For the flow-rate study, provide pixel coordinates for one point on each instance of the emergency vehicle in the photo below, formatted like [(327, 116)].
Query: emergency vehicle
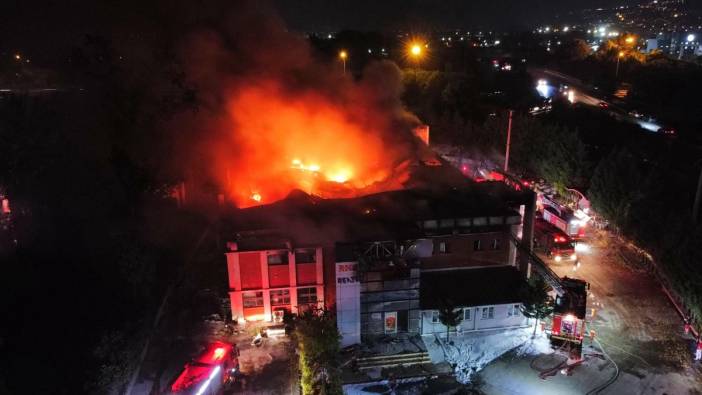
[(555, 243), (210, 373), (571, 222), (568, 327)]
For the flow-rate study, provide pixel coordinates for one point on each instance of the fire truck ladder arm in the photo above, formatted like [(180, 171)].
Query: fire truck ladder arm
[(540, 266)]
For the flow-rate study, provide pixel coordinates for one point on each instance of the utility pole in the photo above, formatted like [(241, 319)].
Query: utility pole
[(698, 197), (509, 137)]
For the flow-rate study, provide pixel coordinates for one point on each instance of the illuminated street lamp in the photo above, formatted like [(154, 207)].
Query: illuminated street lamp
[(343, 55), (690, 38), (415, 52), (619, 56)]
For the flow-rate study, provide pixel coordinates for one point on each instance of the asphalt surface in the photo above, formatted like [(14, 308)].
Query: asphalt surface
[(636, 326), (585, 95)]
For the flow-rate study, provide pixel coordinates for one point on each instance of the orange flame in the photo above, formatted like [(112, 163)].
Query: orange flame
[(281, 141)]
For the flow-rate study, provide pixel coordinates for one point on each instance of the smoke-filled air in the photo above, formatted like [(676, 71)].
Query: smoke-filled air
[(273, 118)]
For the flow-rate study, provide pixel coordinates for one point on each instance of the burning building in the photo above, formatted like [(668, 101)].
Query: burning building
[(365, 257), (272, 118)]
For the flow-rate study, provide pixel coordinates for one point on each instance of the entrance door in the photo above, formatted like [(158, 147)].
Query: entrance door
[(402, 321)]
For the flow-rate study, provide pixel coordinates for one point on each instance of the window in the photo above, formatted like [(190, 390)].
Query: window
[(307, 295), (513, 310), (443, 247), (496, 244), (488, 313), (253, 299), (277, 258), (477, 246), (306, 256), (434, 317), (466, 314), (431, 224), (446, 223), (280, 297)]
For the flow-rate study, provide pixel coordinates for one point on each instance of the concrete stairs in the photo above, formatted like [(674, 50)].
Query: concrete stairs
[(393, 361)]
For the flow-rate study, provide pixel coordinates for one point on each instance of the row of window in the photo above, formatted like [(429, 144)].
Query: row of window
[(280, 297), (445, 247), (301, 256), (468, 222), (486, 313)]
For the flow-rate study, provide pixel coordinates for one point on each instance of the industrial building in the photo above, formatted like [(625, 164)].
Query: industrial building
[(368, 257)]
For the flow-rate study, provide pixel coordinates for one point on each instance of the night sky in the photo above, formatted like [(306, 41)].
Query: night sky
[(426, 14), (46, 30)]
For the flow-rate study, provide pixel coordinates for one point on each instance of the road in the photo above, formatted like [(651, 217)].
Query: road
[(586, 95), (634, 322)]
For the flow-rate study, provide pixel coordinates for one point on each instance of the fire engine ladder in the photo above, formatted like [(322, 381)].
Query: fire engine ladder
[(540, 266)]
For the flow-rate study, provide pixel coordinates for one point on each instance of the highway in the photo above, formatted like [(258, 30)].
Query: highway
[(548, 82)]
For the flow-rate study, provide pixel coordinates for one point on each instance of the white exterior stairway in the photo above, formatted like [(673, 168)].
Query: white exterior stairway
[(392, 361)]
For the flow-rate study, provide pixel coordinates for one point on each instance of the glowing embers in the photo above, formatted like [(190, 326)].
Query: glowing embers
[(340, 175), (298, 164)]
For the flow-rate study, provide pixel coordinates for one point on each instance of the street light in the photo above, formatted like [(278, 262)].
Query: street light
[(415, 52), (343, 55), (690, 38), (619, 56)]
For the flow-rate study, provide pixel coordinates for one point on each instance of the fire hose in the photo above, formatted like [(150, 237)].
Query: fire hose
[(550, 371), (612, 379)]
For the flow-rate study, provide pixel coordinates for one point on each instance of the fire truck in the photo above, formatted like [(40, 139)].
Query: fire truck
[(565, 219), (557, 245), (210, 373), (568, 328)]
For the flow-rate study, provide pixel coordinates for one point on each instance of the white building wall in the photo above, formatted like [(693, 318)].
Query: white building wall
[(348, 303), (476, 323)]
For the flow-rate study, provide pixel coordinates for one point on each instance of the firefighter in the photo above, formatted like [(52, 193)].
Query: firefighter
[(698, 351)]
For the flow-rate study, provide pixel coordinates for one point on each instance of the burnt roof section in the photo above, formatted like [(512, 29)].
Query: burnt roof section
[(393, 215), (470, 287)]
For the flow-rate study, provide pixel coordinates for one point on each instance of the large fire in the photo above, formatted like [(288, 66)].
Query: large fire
[(281, 140), (273, 116)]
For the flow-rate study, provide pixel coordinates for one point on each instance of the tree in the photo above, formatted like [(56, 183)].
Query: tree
[(615, 187), (575, 50), (536, 303), (449, 315), (317, 340)]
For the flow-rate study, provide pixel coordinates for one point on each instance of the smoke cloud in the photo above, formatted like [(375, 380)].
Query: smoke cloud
[(273, 118)]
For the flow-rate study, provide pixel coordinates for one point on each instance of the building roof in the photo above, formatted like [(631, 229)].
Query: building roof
[(393, 215), (470, 287)]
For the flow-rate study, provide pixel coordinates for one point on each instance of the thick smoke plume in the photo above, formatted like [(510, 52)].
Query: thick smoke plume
[(273, 118)]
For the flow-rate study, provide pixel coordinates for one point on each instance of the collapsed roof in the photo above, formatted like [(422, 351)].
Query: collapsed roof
[(394, 215)]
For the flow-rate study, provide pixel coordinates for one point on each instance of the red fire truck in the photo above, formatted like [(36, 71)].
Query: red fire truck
[(568, 329), (553, 241), (561, 217), (210, 373)]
